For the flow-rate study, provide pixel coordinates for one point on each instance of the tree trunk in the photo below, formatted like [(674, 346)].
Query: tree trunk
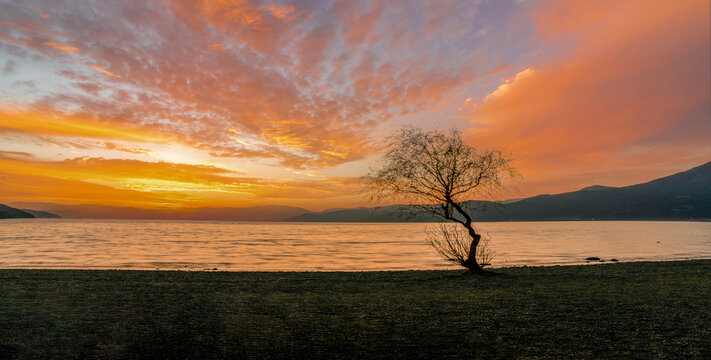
[(471, 263)]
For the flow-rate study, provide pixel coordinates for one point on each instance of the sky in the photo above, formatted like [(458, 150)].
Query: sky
[(177, 103)]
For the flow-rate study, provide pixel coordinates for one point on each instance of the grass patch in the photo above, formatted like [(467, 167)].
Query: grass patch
[(629, 310)]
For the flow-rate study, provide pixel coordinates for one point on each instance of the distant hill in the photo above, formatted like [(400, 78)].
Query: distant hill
[(41, 214), (596, 188), (682, 196), (88, 211), (253, 213), (390, 213), (7, 212)]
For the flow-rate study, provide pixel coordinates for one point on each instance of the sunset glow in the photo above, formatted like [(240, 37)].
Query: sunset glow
[(181, 104)]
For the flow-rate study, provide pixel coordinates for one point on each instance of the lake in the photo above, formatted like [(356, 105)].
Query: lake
[(271, 246)]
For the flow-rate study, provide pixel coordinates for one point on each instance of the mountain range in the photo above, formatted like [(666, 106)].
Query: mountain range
[(682, 196)]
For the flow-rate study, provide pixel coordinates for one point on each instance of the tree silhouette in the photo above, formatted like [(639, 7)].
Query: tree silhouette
[(436, 173)]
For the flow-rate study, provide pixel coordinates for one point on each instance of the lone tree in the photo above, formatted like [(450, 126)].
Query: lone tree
[(436, 173)]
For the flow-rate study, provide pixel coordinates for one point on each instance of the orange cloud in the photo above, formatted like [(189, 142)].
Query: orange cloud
[(143, 184), (638, 81), (16, 154), (64, 48), (233, 10), (41, 124), (157, 184), (281, 11), (41, 188), (139, 151), (103, 70)]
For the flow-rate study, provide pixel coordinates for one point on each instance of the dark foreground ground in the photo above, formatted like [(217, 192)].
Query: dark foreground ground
[(632, 310)]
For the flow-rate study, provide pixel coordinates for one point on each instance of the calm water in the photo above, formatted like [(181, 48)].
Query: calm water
[(190, 245)]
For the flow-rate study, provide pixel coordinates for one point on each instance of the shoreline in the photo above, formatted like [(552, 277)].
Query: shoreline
[(444, 268)]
